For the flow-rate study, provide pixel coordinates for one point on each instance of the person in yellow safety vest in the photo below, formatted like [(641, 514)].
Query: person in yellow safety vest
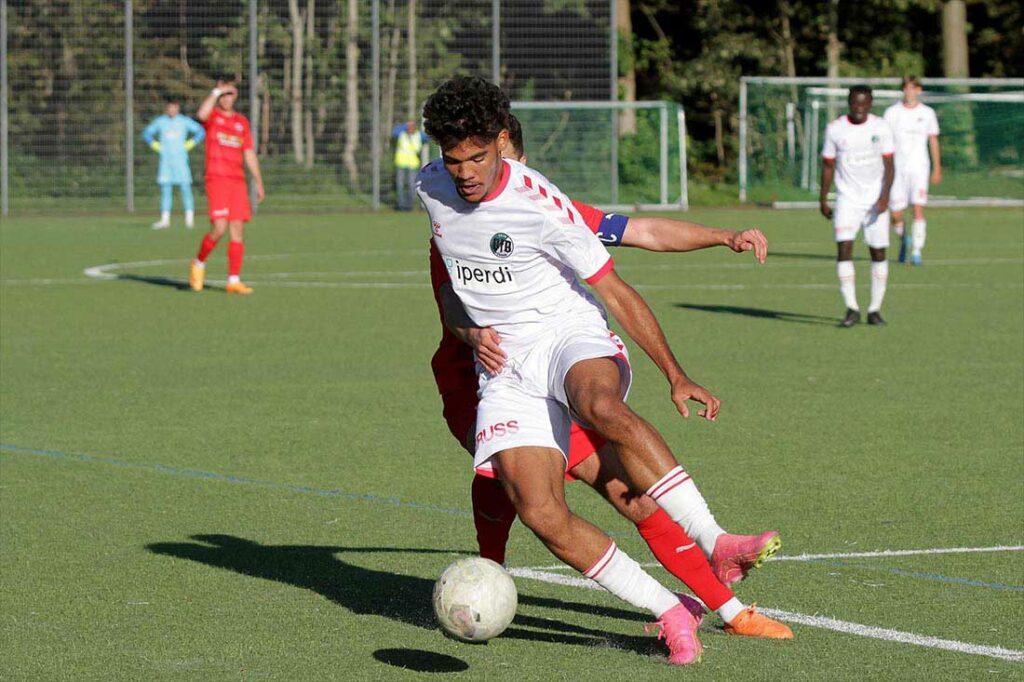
[(408, 144)]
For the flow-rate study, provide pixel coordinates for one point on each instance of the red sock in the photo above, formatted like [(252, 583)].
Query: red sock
[(493, 515), (208, 245), (666, 538), (235, 252)]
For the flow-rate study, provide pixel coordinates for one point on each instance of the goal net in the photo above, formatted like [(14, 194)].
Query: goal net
[(782, 123)]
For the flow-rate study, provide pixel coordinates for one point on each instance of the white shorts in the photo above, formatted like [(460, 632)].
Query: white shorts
[(526, 405), (847, 219), (909, 188)]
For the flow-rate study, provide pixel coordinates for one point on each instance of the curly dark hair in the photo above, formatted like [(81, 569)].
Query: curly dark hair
[(515, 135), (465, 107)]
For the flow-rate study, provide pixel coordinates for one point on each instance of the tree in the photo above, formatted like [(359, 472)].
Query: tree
[(352, 94)]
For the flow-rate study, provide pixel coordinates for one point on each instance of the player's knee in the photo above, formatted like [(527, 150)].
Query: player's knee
[(545, 517), (609, 414)]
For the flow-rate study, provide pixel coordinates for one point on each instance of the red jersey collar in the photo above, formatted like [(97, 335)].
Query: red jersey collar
[(506, 171)]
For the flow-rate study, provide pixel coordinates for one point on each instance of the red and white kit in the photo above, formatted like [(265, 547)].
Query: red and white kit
[(911, 128), (513, 260), (227, 136), (858, 150)]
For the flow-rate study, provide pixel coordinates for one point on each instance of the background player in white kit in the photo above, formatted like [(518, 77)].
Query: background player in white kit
[(858, 152), (916, 131), (513, 246)]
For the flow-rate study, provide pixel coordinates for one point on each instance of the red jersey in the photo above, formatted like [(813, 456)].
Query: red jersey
[(227, 136), (453, 363)]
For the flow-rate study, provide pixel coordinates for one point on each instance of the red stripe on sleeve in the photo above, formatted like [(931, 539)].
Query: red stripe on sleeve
[(599, 275)]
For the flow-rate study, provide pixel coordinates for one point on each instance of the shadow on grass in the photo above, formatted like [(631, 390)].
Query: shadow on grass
[(170, 282), (402, 598), (763, 313)]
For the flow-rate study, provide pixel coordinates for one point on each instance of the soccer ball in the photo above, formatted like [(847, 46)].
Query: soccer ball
[(475, 599)]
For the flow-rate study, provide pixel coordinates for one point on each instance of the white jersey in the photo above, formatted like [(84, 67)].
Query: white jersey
[(514, 257), (912, 126), (858, 152)]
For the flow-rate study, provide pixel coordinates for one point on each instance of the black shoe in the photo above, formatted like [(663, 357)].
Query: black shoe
[(852, 318), (876, 319)]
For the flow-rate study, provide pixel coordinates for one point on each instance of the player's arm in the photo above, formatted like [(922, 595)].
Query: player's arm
[(828, 171), (882, 205), (148, 135), (933, 149), (252, 162), (665, 234), (198, 135), (206, 108), (484, 340), (638, 321)]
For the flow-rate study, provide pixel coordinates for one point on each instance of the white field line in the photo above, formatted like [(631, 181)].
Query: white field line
[(881, 553), (825, 623)]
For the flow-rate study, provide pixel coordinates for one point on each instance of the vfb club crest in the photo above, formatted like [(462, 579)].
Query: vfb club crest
[(502, 245)]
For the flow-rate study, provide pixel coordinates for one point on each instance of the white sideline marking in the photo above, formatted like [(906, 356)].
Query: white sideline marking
[(822, 622), (849, 555)]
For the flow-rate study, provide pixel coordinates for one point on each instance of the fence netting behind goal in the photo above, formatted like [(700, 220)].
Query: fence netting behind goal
[(981, 140)]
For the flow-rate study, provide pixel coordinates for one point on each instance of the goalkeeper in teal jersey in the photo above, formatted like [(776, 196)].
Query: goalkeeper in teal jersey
[(173, 135)]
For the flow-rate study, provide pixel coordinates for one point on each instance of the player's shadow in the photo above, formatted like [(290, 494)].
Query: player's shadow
[(403, 598), (762, 313), (170, 282)]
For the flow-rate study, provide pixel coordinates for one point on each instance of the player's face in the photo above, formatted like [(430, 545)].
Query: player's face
[(860, 107), (227, 99), (911, 91), (172, 109), (475, 166)]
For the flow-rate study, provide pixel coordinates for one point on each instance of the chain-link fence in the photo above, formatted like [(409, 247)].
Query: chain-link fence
[(323, 82)]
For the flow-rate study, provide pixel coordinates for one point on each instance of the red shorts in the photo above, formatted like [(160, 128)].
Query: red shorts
[(459, 410), (228, 199)]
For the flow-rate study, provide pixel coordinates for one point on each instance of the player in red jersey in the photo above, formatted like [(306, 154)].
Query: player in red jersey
[(228, 146), (590, 458)]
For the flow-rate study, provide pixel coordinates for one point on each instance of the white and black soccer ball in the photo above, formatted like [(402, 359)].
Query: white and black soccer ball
[(475, 599)]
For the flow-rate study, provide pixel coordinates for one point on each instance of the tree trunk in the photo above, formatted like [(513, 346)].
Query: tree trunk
[(264, 82), (954, 39), (388, 105), (411, 113), (298, 28), (310, 28), (832, 51), (352, 94), (789, 59), (186, 70), (627, 65)]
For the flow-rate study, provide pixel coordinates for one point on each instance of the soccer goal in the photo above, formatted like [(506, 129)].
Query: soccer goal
[(782, 121), (619, 156)]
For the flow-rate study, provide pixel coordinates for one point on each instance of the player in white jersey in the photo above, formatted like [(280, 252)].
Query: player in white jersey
[(514, 248), (916, 130), (858, 153)]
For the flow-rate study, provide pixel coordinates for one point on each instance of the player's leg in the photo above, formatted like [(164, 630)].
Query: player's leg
[(899, 198), (846, 222), (166, 200), (532, 476), (919, 231), (401, 187), (188, 202), (674, 549), (239, 215), (197, 270), (595, 389), (876, 234)]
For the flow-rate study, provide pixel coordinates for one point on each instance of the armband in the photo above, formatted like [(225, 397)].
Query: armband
[(216, 92)]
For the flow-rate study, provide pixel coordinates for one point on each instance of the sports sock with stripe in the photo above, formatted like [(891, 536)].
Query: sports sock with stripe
[(848, 283), (677, 494), (623, 577)]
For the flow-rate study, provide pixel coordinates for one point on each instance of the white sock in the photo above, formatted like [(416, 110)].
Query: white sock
[(879, 278), (848, 283), (730, 609), (677, 494), (899, 228), (919, 231), (624, 578), (190, 218), (165, 217), (199, 264), (234, 279)]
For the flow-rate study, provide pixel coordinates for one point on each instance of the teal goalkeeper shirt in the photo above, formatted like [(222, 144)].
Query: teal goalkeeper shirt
[(172, 134)]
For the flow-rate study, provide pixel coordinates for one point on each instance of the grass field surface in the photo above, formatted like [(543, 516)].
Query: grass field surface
[(200, 486)]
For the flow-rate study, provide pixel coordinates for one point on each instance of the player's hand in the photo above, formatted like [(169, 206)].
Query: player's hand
[(750, 240), (487, 345), (190, 144), (825, 209), (260, 194), (936, 176), (683, 389), (154, 145), (882, 205)]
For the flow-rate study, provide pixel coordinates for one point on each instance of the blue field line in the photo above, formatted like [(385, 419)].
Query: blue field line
[(227, 478), (970, 582)]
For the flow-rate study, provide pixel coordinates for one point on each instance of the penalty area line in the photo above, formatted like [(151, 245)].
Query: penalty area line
[(821, 622)]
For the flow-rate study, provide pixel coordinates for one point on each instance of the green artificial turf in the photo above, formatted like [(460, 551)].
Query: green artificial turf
[(201, 486)]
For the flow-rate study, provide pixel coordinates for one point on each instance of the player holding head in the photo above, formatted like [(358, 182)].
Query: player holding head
[(228, 147), (858, 154), (173, 136), (916, 131), (514, 246)]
